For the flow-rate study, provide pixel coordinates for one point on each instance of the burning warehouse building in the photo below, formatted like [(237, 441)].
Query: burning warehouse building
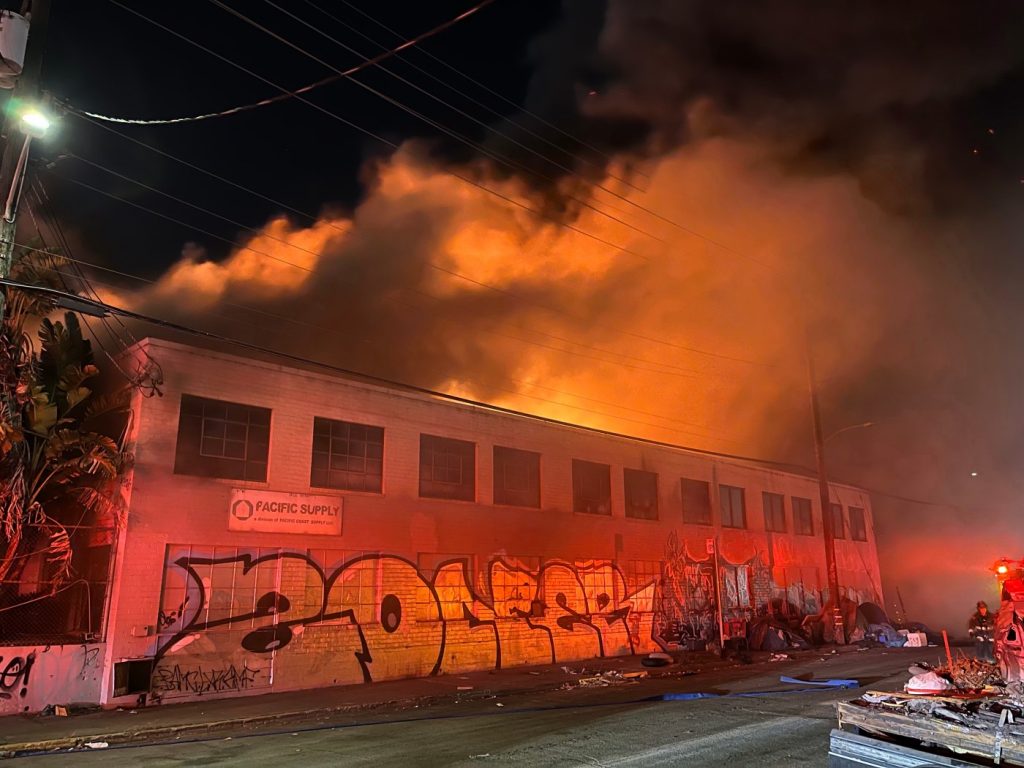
[(290, 528)]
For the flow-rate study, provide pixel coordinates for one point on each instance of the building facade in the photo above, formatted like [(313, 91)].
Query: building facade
[(292, 529)]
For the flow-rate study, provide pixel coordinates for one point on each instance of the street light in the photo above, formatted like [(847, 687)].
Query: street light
[(35, 123)]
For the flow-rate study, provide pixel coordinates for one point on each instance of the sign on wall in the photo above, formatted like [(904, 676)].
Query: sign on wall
[(274, 512)]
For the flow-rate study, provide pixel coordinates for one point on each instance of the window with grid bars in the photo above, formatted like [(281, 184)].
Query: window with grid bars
[(774, 512), (641, 494), (803, 522), (217, 438), (447, 468), (516, 477), (591, 487), (696, 501), (347, 456), (734, 506), (838, 529), (858, 526)]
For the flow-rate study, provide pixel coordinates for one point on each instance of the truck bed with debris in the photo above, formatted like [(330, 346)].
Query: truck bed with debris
[(899, 729)]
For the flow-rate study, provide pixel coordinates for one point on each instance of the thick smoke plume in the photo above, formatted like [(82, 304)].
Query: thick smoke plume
[(796, 138)]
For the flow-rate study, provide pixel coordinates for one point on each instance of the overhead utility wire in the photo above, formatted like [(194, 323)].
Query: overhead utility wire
[(492, 129), (312, 217), (304, 89), (477, 83), (665, 371), (255, 24), (498, 158), (237, 321), (444, 270), (502, 117), (380, 380), (381, 139)]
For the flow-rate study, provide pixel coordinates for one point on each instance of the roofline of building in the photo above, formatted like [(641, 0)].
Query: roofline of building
[(330, 372)]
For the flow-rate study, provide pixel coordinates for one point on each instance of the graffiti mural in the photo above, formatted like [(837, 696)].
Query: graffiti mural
[(32, 677), (199, 680), (14, 676), (247, 619)]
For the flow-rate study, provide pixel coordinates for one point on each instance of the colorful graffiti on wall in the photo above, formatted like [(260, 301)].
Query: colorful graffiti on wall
[(248, 619)]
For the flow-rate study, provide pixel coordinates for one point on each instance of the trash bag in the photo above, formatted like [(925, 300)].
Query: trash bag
[(927, 683), (886, 635)]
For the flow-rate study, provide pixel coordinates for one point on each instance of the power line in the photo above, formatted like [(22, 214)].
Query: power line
[(506, 161), (501, 159), (305, 89), (703, 435), (465, 179), (468, 142), (321, 328), (477, 102), (380, 380), (477, 83), (431, 264), (103, 306)]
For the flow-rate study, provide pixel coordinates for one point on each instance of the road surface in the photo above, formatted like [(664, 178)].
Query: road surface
[(579, 727)]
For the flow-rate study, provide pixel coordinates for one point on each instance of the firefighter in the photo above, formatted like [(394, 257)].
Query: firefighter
[(980, 628)]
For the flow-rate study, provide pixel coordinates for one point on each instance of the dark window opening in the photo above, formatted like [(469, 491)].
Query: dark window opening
[(641, 494), (734, 506), (591, 487), (696, 502), (347, 456), (516, 477), (838, 529), (774, 512), (447, 468), (132, 676), (803, 522), (858, 526), (221, 439)]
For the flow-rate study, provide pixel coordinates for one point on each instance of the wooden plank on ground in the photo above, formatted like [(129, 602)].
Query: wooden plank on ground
[(932, 730)]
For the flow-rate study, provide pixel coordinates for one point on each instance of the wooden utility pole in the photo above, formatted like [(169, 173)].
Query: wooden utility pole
[(831, 569)]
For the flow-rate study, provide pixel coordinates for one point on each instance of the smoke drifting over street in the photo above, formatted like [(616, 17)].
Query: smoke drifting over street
[(807, 181)]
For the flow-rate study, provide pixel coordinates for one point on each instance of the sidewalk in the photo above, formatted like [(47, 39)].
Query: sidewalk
[(33, 733)]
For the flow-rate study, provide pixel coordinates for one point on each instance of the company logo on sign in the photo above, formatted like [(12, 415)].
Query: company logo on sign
[(242, 509), (284, 512)]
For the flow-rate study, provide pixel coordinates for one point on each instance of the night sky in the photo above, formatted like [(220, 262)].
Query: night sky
[(872, 155)]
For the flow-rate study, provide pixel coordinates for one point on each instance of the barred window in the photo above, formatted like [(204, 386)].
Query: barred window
[(696, 501), (803, 522), (858, 526), (516, 477), (774, 512), (641, 494), (591, 487), (838, 529), (447, 468), (347, 456), (734, 506), (222, 439)]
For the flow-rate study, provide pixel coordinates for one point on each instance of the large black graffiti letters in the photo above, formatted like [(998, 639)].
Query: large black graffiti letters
[(15, 675), (389, 603)]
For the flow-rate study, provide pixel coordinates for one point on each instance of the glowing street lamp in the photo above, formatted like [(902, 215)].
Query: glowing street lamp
[(35, 123)]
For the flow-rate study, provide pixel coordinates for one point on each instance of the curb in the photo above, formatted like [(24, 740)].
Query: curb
[(160, 733)]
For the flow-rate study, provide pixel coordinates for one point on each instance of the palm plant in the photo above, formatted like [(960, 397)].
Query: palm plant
[(59, 467)]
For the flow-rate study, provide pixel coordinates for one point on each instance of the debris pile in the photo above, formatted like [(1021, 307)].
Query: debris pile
[(987, 714), (605, 679)]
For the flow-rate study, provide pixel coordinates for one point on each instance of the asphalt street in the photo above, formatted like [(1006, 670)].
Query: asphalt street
[(578, 727)]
